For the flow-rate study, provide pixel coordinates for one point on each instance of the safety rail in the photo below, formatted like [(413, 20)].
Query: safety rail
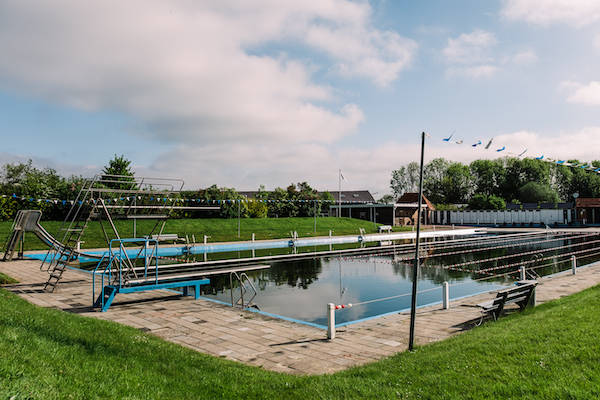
[(523, 275), (241, 278), (120, 275)]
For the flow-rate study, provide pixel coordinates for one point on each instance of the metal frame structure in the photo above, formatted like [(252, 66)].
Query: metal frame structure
[(105, 198), (119, 274)]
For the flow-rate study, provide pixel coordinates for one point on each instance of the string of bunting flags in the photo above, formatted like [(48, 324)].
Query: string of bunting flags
[(177, 200), (491, 146)]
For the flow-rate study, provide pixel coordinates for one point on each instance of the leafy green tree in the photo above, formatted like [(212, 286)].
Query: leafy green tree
[(278, 206), (534, 192), (488, 176), (496, 203), (405, 179), (257, 209), (230, 201), (520, 172), (482, 201), (457, 184), (121, 167), (387, 199), (23, 179), (433, 179)]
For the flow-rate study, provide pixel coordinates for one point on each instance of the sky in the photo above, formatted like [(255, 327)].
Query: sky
[(270, 92)]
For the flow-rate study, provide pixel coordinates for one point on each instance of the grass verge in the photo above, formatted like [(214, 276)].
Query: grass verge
[(551, 352), (7, 280), (219, 230)]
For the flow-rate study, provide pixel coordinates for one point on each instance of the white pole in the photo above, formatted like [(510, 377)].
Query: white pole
[(574, 264), (522, 273), (340, 194), (330, 321), (239, 209), (205, 240), (446, 295), (253, 252), (315, 215), (330, 244)]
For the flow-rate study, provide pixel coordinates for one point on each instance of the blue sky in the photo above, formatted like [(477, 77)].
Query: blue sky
[(272, 92)]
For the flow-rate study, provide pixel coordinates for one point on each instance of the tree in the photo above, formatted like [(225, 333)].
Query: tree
[(23, 179), (433, 176), (457, 184), (257, 209), (520, 172), (230, 201), (121, 167), (488, 176), (387, 199), (482, 201), (534, 192), (405, 179)]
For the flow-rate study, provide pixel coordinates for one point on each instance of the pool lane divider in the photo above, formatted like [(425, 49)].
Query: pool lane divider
[(280, 244)]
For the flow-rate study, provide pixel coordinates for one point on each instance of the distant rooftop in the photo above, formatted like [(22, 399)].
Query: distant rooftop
[(347, 195)]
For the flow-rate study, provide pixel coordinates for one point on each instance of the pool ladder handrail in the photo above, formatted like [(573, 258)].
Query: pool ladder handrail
[(241, 279)]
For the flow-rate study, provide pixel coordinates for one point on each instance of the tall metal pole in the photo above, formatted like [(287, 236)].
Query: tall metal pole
[(340, 193), (239, 223), (315, 214), (413, 303)]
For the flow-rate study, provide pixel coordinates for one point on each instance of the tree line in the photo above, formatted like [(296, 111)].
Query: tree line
[(25, 186), (491, 184)]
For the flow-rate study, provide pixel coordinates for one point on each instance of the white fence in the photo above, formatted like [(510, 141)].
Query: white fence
[(503, 217)]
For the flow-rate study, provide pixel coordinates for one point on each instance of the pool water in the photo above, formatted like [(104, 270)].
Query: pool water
[(301, 289)]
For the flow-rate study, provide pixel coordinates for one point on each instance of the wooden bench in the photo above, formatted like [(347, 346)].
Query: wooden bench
[(521, 294), (166, 237)]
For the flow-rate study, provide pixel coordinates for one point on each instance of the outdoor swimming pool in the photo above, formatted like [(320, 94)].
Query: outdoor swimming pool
[(301, 289)]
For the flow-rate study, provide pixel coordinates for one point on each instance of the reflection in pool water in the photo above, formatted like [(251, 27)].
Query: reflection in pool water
[(302, 289)]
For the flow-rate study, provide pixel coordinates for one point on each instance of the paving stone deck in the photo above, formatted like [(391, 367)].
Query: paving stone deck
[(258, 340)]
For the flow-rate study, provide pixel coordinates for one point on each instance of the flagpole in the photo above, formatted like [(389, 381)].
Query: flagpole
[(340, 193), (413, 302)]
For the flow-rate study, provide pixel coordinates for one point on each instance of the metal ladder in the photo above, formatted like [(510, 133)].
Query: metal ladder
[(242, 280), (59, 258), (16, 237)]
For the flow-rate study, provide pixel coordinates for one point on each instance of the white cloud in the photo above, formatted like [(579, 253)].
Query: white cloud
[(470, 48), (545, 12), (588, 95), (196, 72), (245, 166), (470, 55), (526, 57), (478, 71), (378, 55), (597, 41), (580, 144)]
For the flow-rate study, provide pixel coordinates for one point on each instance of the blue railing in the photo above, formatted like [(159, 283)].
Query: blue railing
[(118, 258)]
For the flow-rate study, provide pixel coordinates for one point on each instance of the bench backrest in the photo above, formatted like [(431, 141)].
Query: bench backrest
[(168, 236), (515, 294)]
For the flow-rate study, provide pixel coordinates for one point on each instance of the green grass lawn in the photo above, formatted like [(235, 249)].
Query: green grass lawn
[(551, 352), (218, 229), (5, 279)]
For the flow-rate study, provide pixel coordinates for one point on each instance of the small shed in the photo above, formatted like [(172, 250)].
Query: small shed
[(587, 211), (406, 208)]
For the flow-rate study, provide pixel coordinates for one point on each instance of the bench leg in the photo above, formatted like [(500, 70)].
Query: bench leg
[(197, 292)]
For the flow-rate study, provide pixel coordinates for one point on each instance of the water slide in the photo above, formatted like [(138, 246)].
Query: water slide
[(29, 221)]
